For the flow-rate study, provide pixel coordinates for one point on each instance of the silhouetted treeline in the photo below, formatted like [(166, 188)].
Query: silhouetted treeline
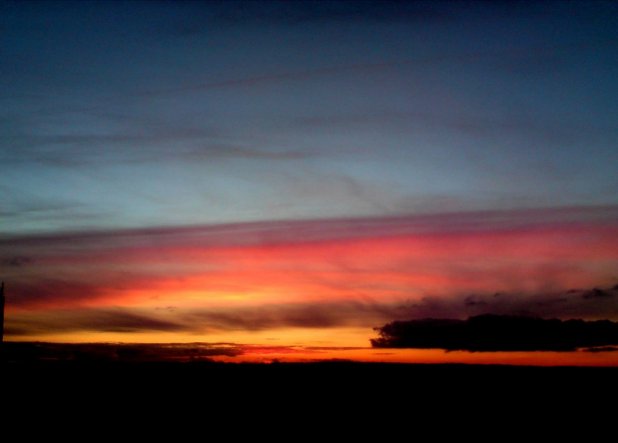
[(497, 333)]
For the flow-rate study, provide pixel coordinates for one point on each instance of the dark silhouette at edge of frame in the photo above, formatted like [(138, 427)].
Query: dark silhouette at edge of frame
[(493, 333)]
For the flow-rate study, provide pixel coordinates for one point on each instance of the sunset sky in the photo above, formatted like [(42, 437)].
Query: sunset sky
[(294, 174)]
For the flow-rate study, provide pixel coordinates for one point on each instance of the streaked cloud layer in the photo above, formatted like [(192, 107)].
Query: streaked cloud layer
[(337, 273)]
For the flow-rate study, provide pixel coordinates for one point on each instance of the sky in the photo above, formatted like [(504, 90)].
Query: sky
[(298, 173)]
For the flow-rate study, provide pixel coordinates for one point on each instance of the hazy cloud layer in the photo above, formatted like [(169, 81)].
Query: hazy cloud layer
[(575, 303), (569, 304), (437, 265)]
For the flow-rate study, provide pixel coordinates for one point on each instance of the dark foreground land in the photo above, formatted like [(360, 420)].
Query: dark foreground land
[(311, 398), (313, 391), (329, 378), (329, 390)]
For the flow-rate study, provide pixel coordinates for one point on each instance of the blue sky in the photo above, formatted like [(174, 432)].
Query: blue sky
[(137, 114)]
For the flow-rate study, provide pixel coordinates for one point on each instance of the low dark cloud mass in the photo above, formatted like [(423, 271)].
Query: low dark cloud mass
[(16, 262), (498, 333), (135, 352), (596, 293)]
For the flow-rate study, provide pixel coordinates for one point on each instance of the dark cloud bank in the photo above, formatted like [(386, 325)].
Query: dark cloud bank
[(120, 352), (498, 333)]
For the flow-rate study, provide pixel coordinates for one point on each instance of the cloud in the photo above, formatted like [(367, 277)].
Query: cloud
[(520, 54), (67, 150), (303, 231), (298, 315), (198, 20), (312, 315), (599, 293), (497, 333), (47, 291), (16, 351), (82, 320), (444, 264), (516, 126), (592, 303), (114, 321), (364, 313), (257, 318), (602, 349), (17, 261), (264, 317), (35, 207)]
